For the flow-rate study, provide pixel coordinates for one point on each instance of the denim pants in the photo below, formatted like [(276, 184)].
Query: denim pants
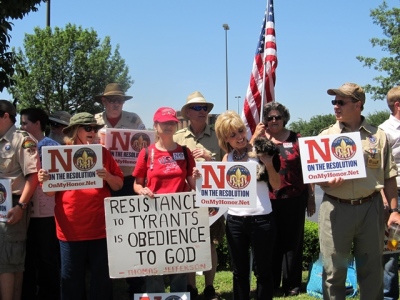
[(76, 258), (391, 276), (42, 261), (255, 233)]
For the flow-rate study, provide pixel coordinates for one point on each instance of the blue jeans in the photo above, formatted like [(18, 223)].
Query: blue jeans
[(391, 276), (258, 234), (76, 258), (155, 284)]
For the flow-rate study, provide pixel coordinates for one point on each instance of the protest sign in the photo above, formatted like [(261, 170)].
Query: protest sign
[(125, 144), (166, 234), (5, 198), (72, 167), (162, 296), (327, 156), (226, 184)]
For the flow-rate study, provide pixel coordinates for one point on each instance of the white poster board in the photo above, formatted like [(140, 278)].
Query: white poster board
[(72, 167), (226, 184), (166, 234), (328, 156), (125, 144), (5, 198), (162, 296)]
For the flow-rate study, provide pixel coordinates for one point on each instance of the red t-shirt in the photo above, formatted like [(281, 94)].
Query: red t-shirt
[(80, 214), (165, 171)]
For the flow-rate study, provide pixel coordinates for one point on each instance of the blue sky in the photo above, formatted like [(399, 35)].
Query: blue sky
[(175, 47)]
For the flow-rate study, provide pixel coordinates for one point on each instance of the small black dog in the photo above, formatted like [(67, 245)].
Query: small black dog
[(261, 146)]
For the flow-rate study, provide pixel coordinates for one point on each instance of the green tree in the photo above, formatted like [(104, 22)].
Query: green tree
[(377, 117), (312, 127), (389, 20), (66, 68), (11, 9)]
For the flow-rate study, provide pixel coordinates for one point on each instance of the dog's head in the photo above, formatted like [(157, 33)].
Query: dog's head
[(263, 145)]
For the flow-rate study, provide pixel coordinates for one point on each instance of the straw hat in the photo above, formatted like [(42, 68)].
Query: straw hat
[(195, 98)]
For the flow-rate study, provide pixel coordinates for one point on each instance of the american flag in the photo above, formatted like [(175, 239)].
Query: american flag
[(265, 56)]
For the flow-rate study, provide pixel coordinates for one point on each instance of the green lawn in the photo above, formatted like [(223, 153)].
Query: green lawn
[(223, 286)]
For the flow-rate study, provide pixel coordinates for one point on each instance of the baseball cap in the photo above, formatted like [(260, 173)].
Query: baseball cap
[(165, 114), (349, 90)]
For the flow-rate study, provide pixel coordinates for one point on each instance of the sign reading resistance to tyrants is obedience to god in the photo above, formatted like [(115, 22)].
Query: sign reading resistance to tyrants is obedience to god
[(226, 184), (327, 156), (72, 167), (166, 234)]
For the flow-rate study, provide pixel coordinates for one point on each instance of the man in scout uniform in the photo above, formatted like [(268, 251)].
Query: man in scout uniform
[(201, 139), (351, 212), (113, 100), (18, 163)]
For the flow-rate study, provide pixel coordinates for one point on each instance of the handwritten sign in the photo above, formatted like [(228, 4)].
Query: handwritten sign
[(72, 167), (5, 198), (327, 156), (227, 184), (125, 144), (166, 234)]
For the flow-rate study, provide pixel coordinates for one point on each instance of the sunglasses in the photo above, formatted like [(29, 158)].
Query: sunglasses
[(89, 128), (116, 100), (342, 102), (277, 118), (199, 107), (56, 125)]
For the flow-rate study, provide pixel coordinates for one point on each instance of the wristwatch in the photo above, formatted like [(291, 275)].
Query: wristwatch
[(393, 210), (22, 205)]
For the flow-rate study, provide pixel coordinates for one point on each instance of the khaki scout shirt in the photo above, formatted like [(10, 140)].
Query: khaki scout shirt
[(128, 120), (18, 158), (207, 139), (375, 146)]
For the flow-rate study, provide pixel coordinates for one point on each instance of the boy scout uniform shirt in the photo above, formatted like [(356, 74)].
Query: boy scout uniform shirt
[(128, 120), (207, 139), (379, 163), (18, 158)]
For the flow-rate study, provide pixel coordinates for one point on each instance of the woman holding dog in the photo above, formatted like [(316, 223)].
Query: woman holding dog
[(289, 202), (249, 227)]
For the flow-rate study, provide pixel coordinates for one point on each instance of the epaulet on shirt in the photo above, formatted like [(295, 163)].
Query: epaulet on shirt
[(22, 132), (181, 130), (326, 128)]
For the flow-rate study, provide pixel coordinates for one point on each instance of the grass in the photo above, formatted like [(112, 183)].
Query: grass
[(223, 286)]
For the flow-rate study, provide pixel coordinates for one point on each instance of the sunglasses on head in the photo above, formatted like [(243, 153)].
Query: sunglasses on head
[(89, 128), (116, 100), (277, 118), (342, 102), (199, 107)]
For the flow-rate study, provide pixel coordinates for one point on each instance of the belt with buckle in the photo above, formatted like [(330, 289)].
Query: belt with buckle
[(358, 201)]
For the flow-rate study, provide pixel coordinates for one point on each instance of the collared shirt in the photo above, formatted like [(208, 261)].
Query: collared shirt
[(207, 139), (392, 129), (375, 146), (128, 120), (18, 158)]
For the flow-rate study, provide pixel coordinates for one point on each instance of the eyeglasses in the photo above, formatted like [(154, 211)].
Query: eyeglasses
[(342, 102), (116, 100), (277, 118), (89, 128), (199, 107)]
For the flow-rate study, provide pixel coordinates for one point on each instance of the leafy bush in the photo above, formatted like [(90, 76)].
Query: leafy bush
[(311, 243), (310, 252)]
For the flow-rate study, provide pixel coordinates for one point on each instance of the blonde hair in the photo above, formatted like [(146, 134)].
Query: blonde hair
[(393, 96), (72, 135), (225, 124)]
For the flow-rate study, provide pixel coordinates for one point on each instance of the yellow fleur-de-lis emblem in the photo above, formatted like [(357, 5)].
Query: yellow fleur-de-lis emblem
[(85, 161), (238, 179), (343, 150)]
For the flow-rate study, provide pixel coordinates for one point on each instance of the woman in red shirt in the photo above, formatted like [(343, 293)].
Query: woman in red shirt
[(167, 169), (80, 220)]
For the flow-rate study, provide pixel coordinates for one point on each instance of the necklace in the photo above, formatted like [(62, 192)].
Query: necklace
[(238, 156)]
